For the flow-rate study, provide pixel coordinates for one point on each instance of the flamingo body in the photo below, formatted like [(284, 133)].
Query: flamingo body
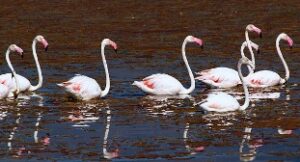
[(160, 84), (82, 87), (220, 102), (263, 78), (221, 77), (9, 81)]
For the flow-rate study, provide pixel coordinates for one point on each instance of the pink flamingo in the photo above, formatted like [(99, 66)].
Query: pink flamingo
[(164, 84), (267, 78), (7, 91), (85, 88), (223, 77), (222, 102), (24, 83)]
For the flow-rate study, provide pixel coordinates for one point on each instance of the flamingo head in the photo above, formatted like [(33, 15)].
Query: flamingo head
[(107, 41), (15, 48), (253, 45), (252, 28), (195, 39), (245, 60), (287, 38), (42, 40)]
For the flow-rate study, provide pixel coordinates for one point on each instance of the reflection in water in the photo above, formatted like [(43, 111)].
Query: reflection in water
[(285, 131), (247, 156), (164, 105), (191, 150), (106, 154), (12, 133), (84, 115), (220, 119)]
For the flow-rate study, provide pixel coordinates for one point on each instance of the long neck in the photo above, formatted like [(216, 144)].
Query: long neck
[(243, 55), (38, 67), (13, 71), (250, 48), (192, 87), (247, 101), (107, 86), (286, 68)]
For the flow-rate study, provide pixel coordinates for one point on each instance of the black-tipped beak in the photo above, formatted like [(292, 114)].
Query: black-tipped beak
[(258, 51), (202, 47), (22, 55), (12, 75), (46, 48), (291, 47), (260, 35), (116, 50)]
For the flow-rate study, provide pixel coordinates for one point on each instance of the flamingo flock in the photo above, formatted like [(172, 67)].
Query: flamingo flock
[(85, 88)]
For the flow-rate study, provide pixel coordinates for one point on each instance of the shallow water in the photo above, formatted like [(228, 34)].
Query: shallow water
[(48, 126)]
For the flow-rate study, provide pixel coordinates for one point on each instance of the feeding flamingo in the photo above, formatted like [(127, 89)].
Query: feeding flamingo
[(164, 84), (267, 78), (8, 91), (223, 77), (85, 88), (222, 102), (24, 83)]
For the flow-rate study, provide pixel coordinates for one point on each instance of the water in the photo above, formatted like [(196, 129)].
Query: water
[(128, 125)]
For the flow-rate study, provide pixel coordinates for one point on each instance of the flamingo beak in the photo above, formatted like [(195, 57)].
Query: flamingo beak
[(116, 50), (46, 48), (260, 35), (22, 56), (258, 51)]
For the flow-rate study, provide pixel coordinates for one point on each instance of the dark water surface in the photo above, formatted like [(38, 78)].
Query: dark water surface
[(128, 125)]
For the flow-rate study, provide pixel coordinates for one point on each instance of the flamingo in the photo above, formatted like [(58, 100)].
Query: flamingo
[(85, 88), (164, 84), (8, 91), (223, 77), (24, 83), (267, 78), (222, 102)]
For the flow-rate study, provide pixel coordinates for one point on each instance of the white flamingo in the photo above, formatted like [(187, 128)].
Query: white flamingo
[(5, 89), (223, 77), (164, 84), (24, 83), (85, 88), (222, 102), (267, 78)]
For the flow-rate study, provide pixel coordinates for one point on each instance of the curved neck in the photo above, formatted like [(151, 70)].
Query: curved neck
[(243, 55), (247, 100), (107, 86), (38, 67), (192, 87), (250, 48), (17, 90), (286, 68)]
